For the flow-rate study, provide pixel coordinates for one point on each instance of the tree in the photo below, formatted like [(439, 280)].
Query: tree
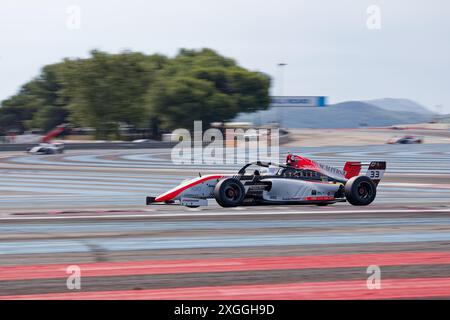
[(178, 101), (202, 85), (108, 89), (38, 104), (48, 117)]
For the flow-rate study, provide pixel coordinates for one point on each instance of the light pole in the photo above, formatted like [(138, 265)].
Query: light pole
[(281, 66)]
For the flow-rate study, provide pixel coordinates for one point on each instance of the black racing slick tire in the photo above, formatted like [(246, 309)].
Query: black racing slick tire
[(229, 192), (360, 191)]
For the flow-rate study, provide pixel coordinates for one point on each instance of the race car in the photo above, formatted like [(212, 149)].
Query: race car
[(405, 140), (47, 148), (299, 181), (45, 145)]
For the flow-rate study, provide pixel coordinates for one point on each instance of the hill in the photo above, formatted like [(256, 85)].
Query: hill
[(400, 105), (351, 114)]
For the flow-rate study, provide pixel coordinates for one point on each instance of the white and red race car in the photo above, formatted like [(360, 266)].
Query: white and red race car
[(299, 181)]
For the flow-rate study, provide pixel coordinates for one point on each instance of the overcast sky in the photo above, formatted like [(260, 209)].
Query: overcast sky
[(327, 44)]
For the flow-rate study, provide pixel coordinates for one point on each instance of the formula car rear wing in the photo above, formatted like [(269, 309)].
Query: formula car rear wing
[(375, 170)]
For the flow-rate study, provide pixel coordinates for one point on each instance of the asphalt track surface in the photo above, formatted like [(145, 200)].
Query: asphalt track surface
[(86, 208)]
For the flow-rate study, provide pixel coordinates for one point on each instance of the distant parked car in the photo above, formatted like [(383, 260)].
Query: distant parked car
[(405, 140)]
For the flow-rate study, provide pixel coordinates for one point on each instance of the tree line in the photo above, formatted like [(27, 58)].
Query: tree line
[(105, 91)]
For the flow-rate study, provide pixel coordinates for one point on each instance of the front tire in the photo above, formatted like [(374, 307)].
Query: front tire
[(229, 192), (360, 191)]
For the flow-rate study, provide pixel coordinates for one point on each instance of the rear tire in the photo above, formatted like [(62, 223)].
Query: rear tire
[(229, 192), (360, 191)]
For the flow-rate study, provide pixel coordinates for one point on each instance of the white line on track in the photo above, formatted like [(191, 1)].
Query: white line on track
[(416, 185), (214, 214)]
